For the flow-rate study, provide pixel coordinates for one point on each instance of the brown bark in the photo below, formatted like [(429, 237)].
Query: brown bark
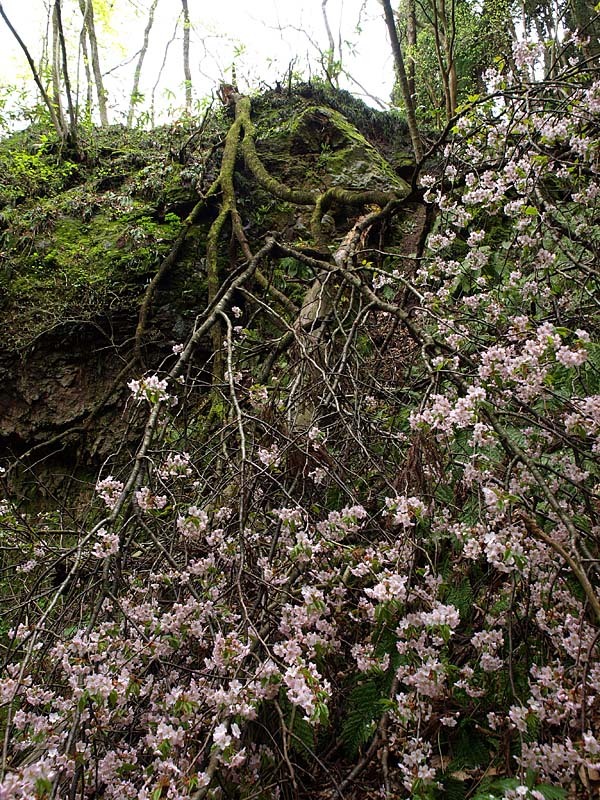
[(72, 132), (56, 74), (443, 31), (411, 40), (403, 80), (89, 100)]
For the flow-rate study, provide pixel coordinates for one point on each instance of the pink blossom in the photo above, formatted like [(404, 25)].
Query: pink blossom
[(405, 511), (270, 457), (109, 490), (107, 544), (221, 738), (148, 501), (150, 388), (391, 587)]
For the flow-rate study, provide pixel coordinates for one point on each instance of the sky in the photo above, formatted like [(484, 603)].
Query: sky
[(262, 37)]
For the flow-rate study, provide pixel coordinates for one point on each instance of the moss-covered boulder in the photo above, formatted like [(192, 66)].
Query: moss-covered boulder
[(319, 147)]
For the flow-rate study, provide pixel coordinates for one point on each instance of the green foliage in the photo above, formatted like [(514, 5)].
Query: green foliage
[(452, 789), (472, 54), (461, 596), (79, 236), (495, 789), (590, 371), (295, 269), (25, 174), (303, 733), (470, 748), (367, 703)]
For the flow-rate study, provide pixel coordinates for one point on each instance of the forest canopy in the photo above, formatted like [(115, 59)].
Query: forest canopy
[(300, 431)]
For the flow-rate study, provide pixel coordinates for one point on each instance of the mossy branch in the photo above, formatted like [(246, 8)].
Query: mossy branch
[(336, 194), (320, 201), (301, 197), (227, 209)]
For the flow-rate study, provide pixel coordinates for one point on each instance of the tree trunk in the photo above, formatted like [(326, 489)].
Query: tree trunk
[(444, 34), (411, 40), (403, 80), (89, 99), (448, 23), (186, 56), (87, 9), (135, 91), (36, 77), (72, 129), (56, 75), (452, 90), (331, 70)]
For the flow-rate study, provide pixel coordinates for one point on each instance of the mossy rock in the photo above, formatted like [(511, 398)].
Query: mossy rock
[(79, 268), (82, 240), (317, 147)]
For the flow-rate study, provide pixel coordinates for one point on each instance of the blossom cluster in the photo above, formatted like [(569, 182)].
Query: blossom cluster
[(109, 489), (150, 388)]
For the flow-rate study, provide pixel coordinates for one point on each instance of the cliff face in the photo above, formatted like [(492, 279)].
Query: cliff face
[(83, 239)]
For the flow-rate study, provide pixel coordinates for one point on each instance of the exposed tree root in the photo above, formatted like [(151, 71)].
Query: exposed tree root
[(240, 138)]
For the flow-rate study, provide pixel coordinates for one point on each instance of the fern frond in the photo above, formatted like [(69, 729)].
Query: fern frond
[(367, 704)]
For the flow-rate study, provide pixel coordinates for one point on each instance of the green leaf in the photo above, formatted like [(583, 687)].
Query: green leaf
[(551, 792), (303, 738), (453, 789), (43, 786), (461, 597), (470, 748), (164, 748), (367, 704), (320, 714)]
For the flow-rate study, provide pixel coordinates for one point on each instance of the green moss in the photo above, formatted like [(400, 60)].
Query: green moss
[(351, 161), (90, 253), (31, 165), (78, 267), (317, 147)]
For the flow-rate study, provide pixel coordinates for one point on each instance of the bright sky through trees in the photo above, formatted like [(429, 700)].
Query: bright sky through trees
[(262, 38)]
